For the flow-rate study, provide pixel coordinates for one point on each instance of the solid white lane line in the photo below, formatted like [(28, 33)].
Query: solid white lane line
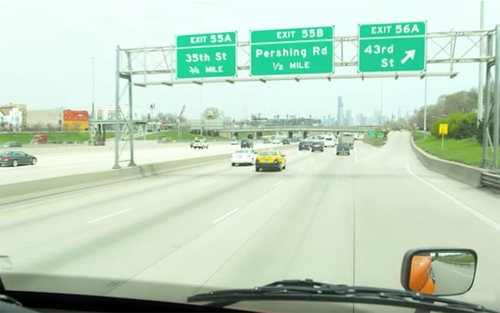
[(279, 183), (225, 215), (467, 208), (108, 216)]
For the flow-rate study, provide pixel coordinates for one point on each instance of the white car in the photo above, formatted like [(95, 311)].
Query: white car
[(243, 156), (200, 144), (234, 142)]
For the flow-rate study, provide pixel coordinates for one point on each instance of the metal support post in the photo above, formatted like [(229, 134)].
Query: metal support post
[(117, 110), (496, 100), (131, 124)]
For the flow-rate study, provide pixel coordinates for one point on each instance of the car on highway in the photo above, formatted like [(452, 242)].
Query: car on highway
[(234, 141), (200, 144), (270, 159), (162, 139), (343, 148), (243, 156), (285, 141), (15, 158), (317, 146), (329, 141), (246, 143), (12, 144), (304, 145)]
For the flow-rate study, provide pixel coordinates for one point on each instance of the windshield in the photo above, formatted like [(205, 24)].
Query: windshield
[(373, 130), (267, 153)]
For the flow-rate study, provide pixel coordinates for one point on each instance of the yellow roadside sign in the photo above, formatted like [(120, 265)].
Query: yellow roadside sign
[(443, 129)]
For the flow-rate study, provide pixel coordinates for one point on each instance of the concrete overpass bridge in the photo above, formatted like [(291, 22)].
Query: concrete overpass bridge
[(290, 130)]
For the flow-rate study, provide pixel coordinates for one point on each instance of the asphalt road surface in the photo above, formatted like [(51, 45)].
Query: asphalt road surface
[(336, 219), (55, 162)]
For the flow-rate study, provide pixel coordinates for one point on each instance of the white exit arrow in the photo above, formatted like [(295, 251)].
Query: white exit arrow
[(410, 54)]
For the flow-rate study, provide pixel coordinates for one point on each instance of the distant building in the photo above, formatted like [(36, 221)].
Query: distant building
[(106, 113), (340, 111), (75, 120), (5, 109), (45, 119)]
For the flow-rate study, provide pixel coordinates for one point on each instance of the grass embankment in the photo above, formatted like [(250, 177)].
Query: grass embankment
[(457, 259), (465, 151), (375, 141), (26, 137)]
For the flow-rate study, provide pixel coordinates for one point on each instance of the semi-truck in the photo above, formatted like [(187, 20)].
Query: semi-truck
[(347, 138)]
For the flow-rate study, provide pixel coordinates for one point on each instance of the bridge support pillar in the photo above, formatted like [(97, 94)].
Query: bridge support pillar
[(290, 134), (304, 134)]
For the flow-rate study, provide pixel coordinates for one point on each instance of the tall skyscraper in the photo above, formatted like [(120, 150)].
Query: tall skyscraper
[(340, 112)]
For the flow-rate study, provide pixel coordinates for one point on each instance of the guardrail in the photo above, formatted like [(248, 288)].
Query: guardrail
[(464, 173), (473, 176), (490, 180)]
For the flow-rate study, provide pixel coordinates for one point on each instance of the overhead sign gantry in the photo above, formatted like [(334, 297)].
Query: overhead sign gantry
[(388, 50)]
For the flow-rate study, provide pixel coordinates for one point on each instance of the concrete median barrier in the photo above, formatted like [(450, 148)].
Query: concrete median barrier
[(23, 191), (464, 173)]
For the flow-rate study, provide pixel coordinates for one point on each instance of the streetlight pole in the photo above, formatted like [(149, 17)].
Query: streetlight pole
[(481, 69), (201, 110), (93, 89)]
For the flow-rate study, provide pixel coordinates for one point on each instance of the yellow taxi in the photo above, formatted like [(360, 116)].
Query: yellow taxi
[(270, 159)]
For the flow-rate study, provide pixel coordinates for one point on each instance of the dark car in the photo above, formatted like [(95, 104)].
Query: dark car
[(11, 144), (246, 143), (285, 141), (317, 146), (162, 139), (15, 158), (304, 145), (343, 148)]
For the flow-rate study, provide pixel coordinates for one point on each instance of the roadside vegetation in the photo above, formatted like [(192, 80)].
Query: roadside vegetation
[(375, 140), (463, 143)]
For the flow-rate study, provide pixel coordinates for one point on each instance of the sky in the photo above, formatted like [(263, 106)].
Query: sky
[(47, 48)]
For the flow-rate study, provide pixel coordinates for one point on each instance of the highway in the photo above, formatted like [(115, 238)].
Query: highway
[(337, 219), (64, 161)]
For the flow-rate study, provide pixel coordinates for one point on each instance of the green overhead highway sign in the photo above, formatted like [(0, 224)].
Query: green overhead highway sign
[(292, 51), (206, 55), (395, 47)]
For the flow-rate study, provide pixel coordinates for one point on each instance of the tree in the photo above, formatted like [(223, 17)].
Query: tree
[(170, 118), (211, 113)]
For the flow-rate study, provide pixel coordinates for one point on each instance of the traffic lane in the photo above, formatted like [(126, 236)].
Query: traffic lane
[(451, 278), (396, 208), (110, 147), (299, 229), (155, 222), (467, 196), (398, 152), (81, 163)]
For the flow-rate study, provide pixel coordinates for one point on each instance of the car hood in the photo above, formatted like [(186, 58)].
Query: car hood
[(98, 286), (155, 291)]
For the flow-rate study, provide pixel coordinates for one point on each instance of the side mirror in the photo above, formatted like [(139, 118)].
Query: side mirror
[(439, 271)]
